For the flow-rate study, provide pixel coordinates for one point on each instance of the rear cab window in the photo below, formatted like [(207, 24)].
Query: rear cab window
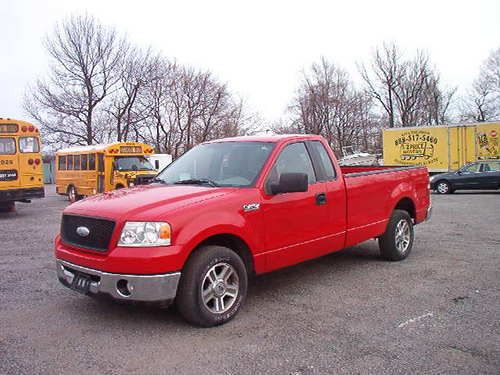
[(322, 161)]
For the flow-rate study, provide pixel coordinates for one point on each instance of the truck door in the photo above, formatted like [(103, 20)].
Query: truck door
[(296, 224), (335, 193)]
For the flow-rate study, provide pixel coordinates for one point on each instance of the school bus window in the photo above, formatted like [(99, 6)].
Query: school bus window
[(29, 144), (7, 146), (85, 162), (62, 163), (76, 162), (9, 128), (70, 162), (91, 162)]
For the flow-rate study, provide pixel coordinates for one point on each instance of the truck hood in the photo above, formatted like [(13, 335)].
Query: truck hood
[(144, 202)]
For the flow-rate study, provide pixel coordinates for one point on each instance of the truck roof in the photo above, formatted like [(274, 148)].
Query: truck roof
[(267, 138)]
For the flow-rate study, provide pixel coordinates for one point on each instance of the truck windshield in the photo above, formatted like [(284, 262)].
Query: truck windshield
[(219, 164), (132, 163)]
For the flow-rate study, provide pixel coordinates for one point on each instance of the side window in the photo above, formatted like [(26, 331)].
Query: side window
[(491, 167), (29, 144), (7, 146), (100, 164), (91, 162), (323, 159), (472, 168), (70, 162), (76, 162), (84, 162), (294, 158), (62, 163)]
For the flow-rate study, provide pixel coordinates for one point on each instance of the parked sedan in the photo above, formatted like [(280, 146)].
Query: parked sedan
[(479, 175)]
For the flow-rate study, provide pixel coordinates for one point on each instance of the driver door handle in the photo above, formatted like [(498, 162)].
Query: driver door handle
[(320, 199)]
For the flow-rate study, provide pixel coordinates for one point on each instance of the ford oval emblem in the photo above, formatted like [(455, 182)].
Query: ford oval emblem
[(82, 231)]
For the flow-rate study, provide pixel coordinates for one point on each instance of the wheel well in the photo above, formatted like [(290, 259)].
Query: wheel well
[(442, 180), (234, 243), (406, 204), (119, 186)]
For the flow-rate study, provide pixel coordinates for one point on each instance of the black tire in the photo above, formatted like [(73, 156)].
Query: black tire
[(189, 298), (6, 207), (390, 244), (443, 187), (73, 194)]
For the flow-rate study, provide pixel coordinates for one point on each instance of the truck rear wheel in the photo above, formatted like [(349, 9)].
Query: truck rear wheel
[(396, 243), (213, 286)]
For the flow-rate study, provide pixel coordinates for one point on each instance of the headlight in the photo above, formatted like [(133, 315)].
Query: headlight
[(432, 178), (145, 234)]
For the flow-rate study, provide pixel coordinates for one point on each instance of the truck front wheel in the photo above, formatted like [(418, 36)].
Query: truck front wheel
[(213, 286), (397, 241)]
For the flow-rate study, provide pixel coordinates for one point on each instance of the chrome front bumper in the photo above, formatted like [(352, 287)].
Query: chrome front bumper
[(147, 288)]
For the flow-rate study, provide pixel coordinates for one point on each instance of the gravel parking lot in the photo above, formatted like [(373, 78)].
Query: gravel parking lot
[(437, 312)]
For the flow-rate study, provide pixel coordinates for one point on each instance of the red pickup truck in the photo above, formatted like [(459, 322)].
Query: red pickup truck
[(229, 209)]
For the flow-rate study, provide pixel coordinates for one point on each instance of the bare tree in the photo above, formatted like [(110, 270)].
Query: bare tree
[(482, 102), (138, 71), (327, 103), (382, 78), (187, 107), (435, 102), (85, 57), (408, 90), (491, 70)]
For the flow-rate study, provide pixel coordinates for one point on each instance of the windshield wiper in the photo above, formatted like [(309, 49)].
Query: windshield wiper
[(197, 181)]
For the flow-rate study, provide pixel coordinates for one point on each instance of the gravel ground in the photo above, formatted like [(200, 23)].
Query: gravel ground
[(347, 313)]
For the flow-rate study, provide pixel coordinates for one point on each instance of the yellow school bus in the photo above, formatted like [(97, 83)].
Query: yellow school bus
[(21, 167), (442, 148), (89, 170)]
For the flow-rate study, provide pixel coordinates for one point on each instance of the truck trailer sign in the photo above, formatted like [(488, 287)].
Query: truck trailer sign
[(441, 148)]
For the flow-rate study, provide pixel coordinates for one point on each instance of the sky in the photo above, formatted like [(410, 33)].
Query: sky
[(259, 48)]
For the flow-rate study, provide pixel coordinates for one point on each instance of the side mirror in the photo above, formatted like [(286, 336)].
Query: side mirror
[(290, 183)]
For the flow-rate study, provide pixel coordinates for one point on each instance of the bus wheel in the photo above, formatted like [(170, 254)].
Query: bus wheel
[(72, 194), (7, 207)]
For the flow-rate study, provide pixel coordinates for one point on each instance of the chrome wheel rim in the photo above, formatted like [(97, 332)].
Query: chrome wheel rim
[(442, 188), (220, 288), (403, 236)]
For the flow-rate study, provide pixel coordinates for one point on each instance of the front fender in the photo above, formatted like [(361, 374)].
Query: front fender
[(209, 224)]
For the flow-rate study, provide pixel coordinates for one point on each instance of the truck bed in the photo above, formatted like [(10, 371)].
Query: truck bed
[(358, 170), (373, 192)]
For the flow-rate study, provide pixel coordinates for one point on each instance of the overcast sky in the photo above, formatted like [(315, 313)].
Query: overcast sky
[(258, 47)]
